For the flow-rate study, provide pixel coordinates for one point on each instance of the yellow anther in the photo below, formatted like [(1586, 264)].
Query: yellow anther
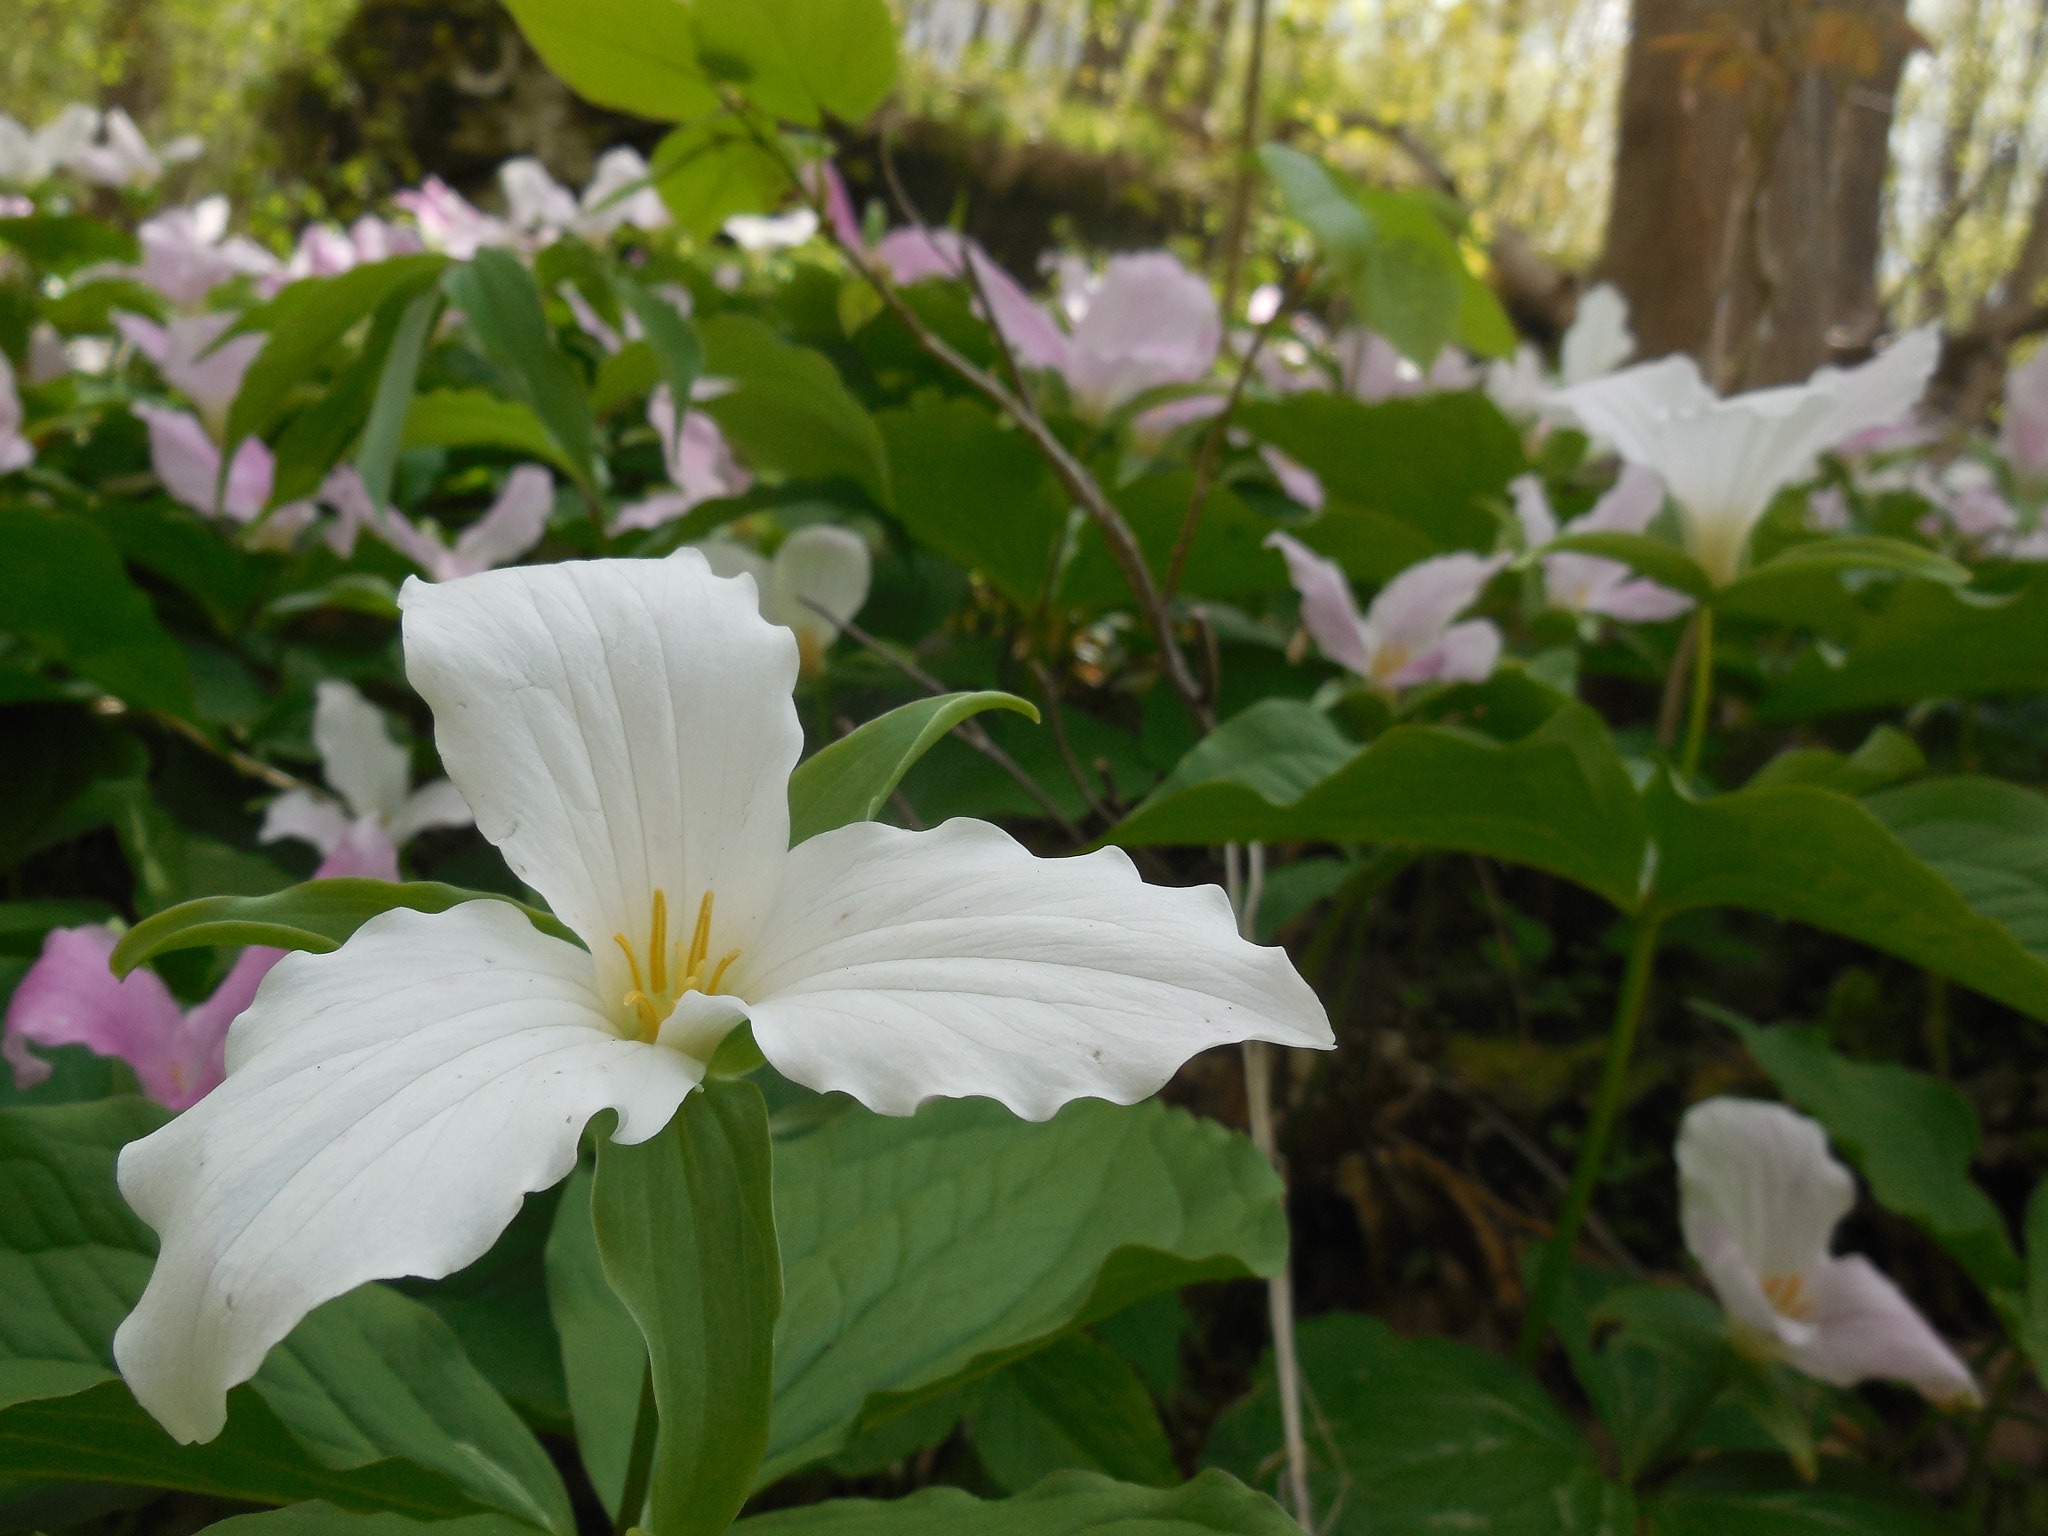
[(1787, 1294), (719, 975), (657, 948), (652, 999), (643, 1005), (700, 941), (632, 964)]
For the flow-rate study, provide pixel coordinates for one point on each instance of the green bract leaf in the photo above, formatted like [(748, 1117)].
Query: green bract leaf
[(1886, 756), (1913, 1137), (370, 1401), (1558, 799), (623, 54), (1426, 1436), (1065, 1504), (851, 779), (390, 407), (787, 410), (792, 58), (501, 306), (604, 1356), (669, 336), (686, 1231), (62, 243), (926, 1252), (1660, 560), (454, 418), (1985, 837), (316, 1517), (1751, 1495), (1073, 1405), (318, 915), (1859, 552), (66, 593)]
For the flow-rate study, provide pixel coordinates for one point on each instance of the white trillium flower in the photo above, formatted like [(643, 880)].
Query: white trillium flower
[(625, 731), (817, 567), (1591, 583), (372, 774), (1759, 1198), (1723, 460), (758, 232), (1407, 637), (1598, 340), (30, 158), (125, 158), (606, 202)]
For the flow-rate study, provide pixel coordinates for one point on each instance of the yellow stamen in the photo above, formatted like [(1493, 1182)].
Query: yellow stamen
[(719, 975), (643, 1005), (657, 948), (634, 965), (700, 941), (652, 999), (1787, 1293)]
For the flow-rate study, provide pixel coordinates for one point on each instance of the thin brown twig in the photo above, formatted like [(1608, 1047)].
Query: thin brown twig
[(1056, 718), (241, 761)]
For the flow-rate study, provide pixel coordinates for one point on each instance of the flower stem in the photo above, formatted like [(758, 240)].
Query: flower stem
[(640, 1460), (1702, 692), (1557, 1257)]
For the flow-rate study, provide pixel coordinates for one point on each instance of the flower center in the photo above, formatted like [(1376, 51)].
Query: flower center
[(653, 998), (1392, 657), (1787, 1296)]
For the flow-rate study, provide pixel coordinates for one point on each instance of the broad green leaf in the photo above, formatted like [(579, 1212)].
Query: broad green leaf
[(623, 54), (317, 437), (187, 551), (1750, 1495), (851, 779), (456, 418), (2034, 1321), (1431, 463), (1887, 755), (501, 305), (1659, 559), (391, 404), (57, 755), (67, 594), (1073, 1405), (62, 243), (1425, 1436), (1484, 328), (709, 170), (1858, 552), (1559, 799), (1987, 838), (792, 58), (1911, 1136), (1822, 858), (369, 1402), (788, 411), (351, 592), (604, 1356), (926, 1252), (685, 1227), (1228, 557), (1065, 1504), (317, 915), (303, 325), (624, 377), (316, 1517), (1919, 640), (671, 338), (981, 496)]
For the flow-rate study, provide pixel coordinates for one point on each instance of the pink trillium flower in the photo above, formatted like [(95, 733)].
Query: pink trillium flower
[(124, 158), (1370, 369), (700, 462), (449, 222), (510, 527), (16, 451), (1759, 1198), (324, 250), (187, 461), (1407, 636), (209, 380), (911, 256), (378, 810), (1827, 509), (1147, 321), (30, 158), (188, 252), (70, 997), (1592, 583), (2023, 434)]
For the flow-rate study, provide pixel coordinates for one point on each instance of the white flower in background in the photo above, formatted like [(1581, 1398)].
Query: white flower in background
[(323, 250), (449, 222), (2023, 433), (123, 158), (1759, 1198), (535, 203), (1827, 509), (1593, 583), (1723, 460), (16, 451), (378, 811), (1369, 368), (625, 732), (1146, 321), (209, 381), (28, 158), (606, 203), (187, 252), (1407, 636), (699, 460), (760, 233), (1967, 497), (819, 566), (1596, 343)]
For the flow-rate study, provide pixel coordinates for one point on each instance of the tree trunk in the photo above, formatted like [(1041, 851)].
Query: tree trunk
[(1745, 228)]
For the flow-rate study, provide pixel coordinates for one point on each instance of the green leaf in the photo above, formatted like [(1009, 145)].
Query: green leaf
[(304, 324), (369, 1402), (1228, 557), (316, 915), (500, 304), (1887, 755), (316, 1517), (1987, 838), (669, 336), (351, 592), (1558, 799), (623, 54), (1918, 640), (1065, 1504), (1750, 1495), (2034, 1320), (851, 779), (313, 443), (685, 1227), (925, 1252), (1425, 1436), (391, 405), (1859, 552), (187, 551), (67, 594), (456, 418), (792, 58), (1911, 1136), (981, 496), (1822, 858), (787, 411), (1659, 559), (1073, 1405), (1406, 478), (604, 1356), (62, 243), (708, 171)]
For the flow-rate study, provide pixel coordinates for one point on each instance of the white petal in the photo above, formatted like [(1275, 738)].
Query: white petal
[(435, 804), (512, 526), (1739, 1287), (1863, 1326), (619, 727), (1599, 338), (311, 818), (823, 565), (897, 966), (1532, 510), (1762, 1174), (363, 764), (1329, 611), (386, 1108)]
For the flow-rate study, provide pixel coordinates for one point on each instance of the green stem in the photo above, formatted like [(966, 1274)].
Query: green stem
[(1702, 691), (1621, 1042), (640, 1460)]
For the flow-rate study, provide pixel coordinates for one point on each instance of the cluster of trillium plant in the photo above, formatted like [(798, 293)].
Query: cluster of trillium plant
[(624, 732)]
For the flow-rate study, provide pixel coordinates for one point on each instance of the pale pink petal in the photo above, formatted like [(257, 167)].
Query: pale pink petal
[(210, 381), (16, 452), (838, 205), (70, 997), (437, 803), (1532, 510), (307, 816), (1467, 653), (1640, 601), (1148, 322), (250, 473), (365, 852), (206, 1025), (911, 256), (1629, 507), (512, 526), (1371, 369), (1297, 480), (1328, 610), (653, 511), (183, 456), (1864, 1327), (1415, 609), (2023, 433)]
